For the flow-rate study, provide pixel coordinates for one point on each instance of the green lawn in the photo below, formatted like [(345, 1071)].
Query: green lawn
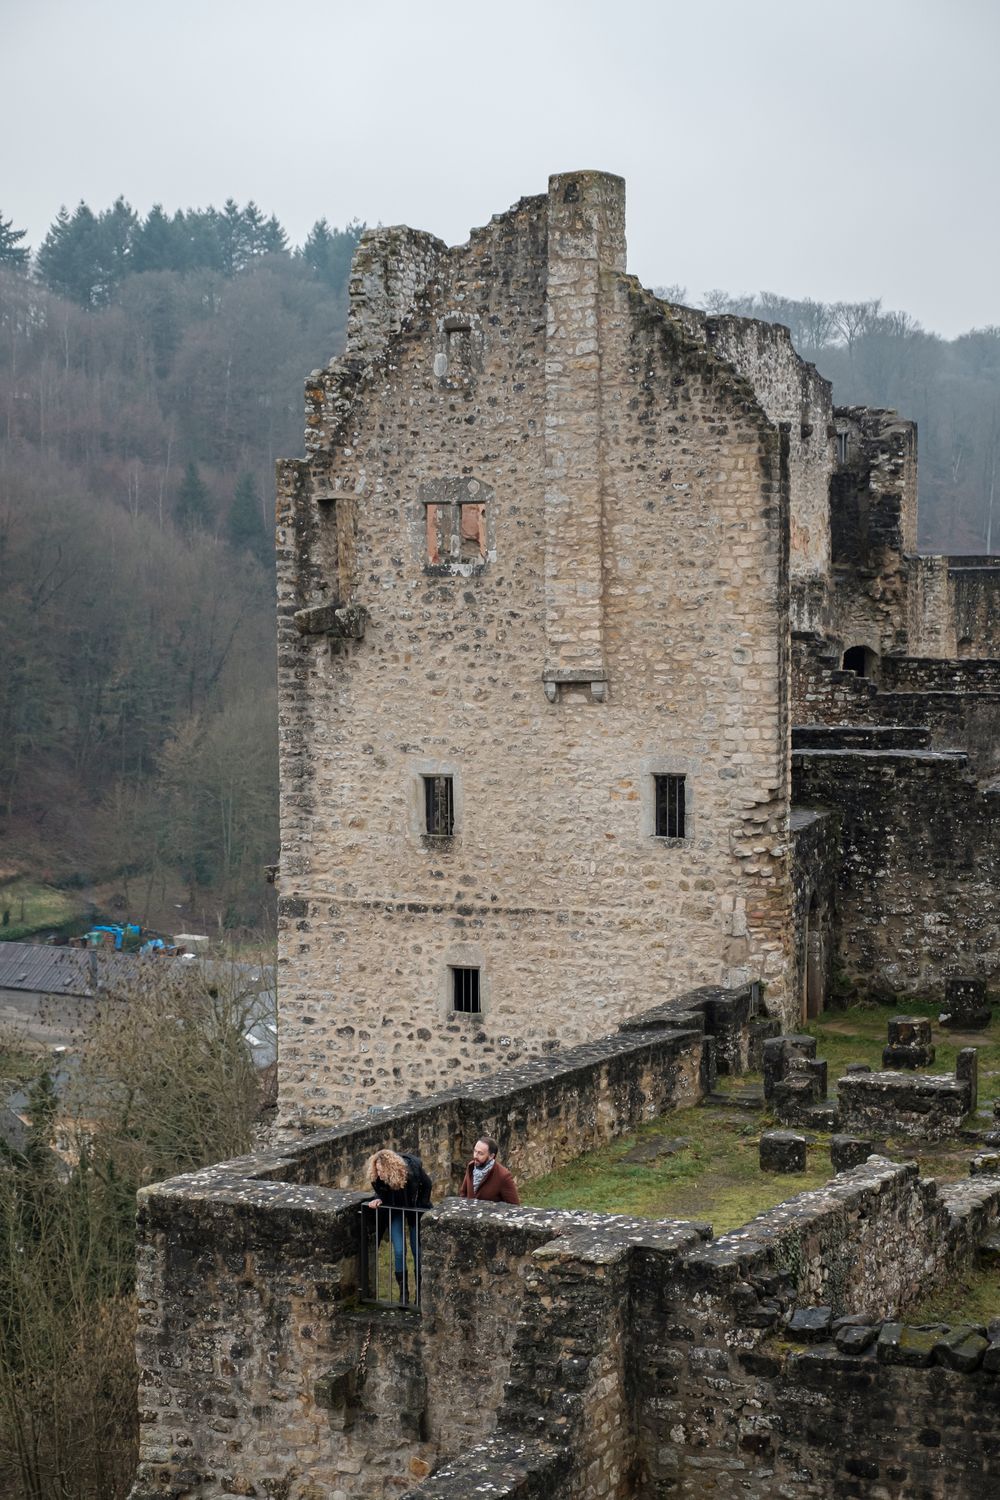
[(33, 907), (706, 1165), (859, 1034), (714, 1177)]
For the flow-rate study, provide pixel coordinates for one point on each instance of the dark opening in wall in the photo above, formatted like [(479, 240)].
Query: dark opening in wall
[(439, 806), (670, 792), (860, 660), (465, 992)]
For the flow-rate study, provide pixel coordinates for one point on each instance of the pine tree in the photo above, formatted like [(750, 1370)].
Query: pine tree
[(155, 244), (74, 257), (193, 506), (245, 527), (12, 253), (330, 252)]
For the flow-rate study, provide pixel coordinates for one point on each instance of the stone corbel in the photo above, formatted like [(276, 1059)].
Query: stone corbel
[(344, 622), (594, 678)]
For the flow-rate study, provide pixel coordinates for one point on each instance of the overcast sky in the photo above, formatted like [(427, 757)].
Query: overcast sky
[(840, 150)]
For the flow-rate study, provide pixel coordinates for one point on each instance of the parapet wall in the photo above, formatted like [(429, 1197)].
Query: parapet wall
[(249, 1320)]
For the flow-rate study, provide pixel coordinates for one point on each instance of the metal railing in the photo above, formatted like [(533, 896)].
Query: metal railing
[(389, 1255)]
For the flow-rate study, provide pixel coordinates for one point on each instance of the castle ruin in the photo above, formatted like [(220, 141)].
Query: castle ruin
[(621, 721)]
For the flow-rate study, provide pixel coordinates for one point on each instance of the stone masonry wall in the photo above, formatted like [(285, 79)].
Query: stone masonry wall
[(931, 608), (796, 397), (583, 1356), (261, 1373), (873, 528), (716, 1413), (574, 913), (976, 585), (946, 705), (917, 890)]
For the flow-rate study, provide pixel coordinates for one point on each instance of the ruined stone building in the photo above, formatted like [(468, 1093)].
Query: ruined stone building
[(561, 570), (622, 728)]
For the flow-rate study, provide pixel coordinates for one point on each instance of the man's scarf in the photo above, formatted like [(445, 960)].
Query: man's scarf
[(480, 1174)]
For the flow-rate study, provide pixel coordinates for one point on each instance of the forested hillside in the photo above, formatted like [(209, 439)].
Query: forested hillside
[(150, 373)]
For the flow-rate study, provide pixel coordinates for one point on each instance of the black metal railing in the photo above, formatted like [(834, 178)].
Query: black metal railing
[(389, 1255)]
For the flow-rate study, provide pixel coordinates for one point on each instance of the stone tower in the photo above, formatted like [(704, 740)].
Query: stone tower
[(533, 661)]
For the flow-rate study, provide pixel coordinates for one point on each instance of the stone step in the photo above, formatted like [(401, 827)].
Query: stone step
[(749, 1099)]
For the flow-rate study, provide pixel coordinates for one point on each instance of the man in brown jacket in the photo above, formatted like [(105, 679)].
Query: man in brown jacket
[(485, 1179)]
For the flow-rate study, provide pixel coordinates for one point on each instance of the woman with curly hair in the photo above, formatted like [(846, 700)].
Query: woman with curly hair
[(399, 1182)]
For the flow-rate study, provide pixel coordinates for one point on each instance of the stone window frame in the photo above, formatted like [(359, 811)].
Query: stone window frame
[(417, 803), (668, 765), (450, 494), (463, 956)]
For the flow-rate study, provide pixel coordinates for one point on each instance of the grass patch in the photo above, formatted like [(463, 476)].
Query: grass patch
[(714, 1176), (33, 907), (860, 1033), (971, 1298)]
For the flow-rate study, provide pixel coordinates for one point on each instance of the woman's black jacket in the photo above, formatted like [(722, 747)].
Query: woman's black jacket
[(416, 1193)]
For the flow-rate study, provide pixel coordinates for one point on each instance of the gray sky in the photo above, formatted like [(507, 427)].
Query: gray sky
[(839, 151)]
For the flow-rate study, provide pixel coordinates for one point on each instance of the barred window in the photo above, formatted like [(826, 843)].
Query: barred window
[(465, 992), (439, 806), (670, 792)]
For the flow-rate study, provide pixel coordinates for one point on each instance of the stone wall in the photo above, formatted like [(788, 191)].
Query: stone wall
[(249, 1319), (916, 897), (715, 1412), (873, 527), (976, 585), (940, 705), (624, 617), (815, 869), (580, 1356), (798, 399)]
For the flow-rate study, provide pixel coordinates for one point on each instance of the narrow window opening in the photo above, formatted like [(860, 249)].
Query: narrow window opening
[(465, 992), (669, 806), (473, 533), (842, 442), (433, 536), (439, 806)]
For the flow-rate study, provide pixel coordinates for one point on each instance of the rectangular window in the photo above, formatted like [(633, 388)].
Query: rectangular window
[(465, 992), (842, 442), (669, 806), (439, 806)]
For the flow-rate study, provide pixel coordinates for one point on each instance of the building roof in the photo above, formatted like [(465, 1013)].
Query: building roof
[(42, 967), (70, 971)]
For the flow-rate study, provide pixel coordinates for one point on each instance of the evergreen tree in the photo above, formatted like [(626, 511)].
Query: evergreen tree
[(245, 528), (274, 240), (12, 253), (156, 245), (330, 251), (116, 229), (232, 231), (193, 506)]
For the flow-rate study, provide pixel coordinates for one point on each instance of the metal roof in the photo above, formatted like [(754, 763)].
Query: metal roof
[(42, 967), (68, 971)]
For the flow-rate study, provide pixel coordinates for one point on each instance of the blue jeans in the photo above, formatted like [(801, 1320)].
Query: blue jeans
[(397, 1235)]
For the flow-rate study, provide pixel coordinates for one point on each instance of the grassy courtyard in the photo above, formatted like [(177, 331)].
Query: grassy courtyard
[(701, 1163)]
